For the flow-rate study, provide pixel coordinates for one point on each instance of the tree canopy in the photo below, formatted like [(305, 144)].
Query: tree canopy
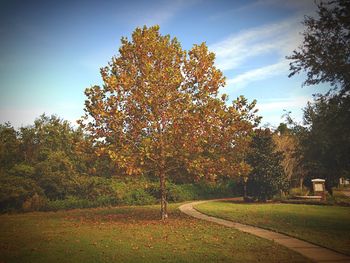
[(158, 111), (267, 176), (325, 52), (324, 141)]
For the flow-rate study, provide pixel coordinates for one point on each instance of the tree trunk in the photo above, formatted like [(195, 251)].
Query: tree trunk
[(163, 202), (245, 192), (301, 185), (329, 187)]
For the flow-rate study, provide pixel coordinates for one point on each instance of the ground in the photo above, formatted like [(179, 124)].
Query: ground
[(129, 234), (327, 226)]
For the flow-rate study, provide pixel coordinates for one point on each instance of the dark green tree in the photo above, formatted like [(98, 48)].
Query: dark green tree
[(325, 56), (325, 52), (326, 141), (267, 176), (9, 146)]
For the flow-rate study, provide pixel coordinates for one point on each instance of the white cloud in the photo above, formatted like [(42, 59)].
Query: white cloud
[(163, 12), (280, 38), (274, 109), (19, 117), (258, 74), (277, 40), (305, 7), (283, 104)]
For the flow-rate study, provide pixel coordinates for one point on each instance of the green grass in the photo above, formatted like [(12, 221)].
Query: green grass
[(129, 234), (340, 198), (328, 226)]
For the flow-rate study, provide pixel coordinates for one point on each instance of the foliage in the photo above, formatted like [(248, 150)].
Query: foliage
[(288, 144), (339, 198), (267, 177), (325, 52), (72, 202), (55, 175), (34, 203), (297, 191), (326, 143), (22, 170), (158, 112), (45, 174), (8, 146), (16, 190)]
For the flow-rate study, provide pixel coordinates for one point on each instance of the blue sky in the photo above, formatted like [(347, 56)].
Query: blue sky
[(50, 51)]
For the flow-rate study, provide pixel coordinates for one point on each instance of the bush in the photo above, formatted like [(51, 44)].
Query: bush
[(93, 187), (72, 202), (227, 188), (137, 197), (15, 191), (34, 203), (267, 176), (23, 194), (69, 203), (293, 192), (180, 193), (23, 170)]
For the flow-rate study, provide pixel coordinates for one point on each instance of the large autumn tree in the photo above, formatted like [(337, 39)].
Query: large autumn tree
[(158, 111)]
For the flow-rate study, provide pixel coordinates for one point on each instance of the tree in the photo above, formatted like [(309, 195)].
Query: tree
[(267, 177), (326, 142), (325, 55), (287, 143), (158, 111), (9, 146), (325, 52)]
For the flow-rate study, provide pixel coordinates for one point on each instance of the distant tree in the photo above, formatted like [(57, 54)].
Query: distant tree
[(267, 176), (158, 111), (9, 146), (15, 191), (325, 56), (287, 143), (56, 175), (325, 52), (282, 129), (326, 142)]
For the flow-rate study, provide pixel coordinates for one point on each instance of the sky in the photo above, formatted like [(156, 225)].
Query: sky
[(50, 51)]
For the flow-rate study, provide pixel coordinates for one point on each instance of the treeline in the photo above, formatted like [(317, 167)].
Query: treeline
[(51, 165)]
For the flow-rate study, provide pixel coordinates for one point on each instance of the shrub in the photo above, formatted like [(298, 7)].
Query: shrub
[(93, 187), (137, 197), (15, 191), (69, 203), (293, 192), (23, 170), (34, 203), (267, 176), (180, 193), (226, 188)]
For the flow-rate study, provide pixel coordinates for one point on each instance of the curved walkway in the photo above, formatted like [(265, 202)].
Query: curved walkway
[(311, 251)]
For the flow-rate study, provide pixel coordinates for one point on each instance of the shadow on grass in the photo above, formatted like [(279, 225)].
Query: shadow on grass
[(125, 215)]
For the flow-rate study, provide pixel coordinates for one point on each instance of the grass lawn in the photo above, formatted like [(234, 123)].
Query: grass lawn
[(340, 197), (129, 234), (328, 226)]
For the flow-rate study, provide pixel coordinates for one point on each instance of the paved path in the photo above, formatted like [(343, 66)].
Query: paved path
[(314, 252)]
